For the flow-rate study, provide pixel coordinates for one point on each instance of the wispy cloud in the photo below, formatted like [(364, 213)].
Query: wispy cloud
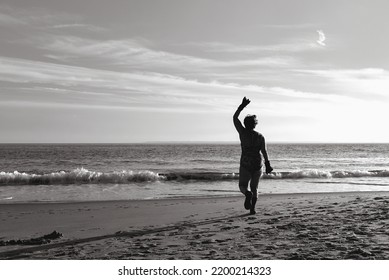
[(298, 45), (361, 83), (6, 19), (44, 19), (77, 26), (57, 38), (118, 51), (136, 89), (132, 53)]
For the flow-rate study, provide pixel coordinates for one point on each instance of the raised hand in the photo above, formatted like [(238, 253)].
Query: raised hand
[(245, 102)]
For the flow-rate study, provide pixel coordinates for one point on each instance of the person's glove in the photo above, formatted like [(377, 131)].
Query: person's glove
[(268, 167)]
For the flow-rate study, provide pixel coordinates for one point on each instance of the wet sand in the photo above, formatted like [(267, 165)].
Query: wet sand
[(286, 226)]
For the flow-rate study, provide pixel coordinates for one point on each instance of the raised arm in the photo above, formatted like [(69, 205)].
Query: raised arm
[(238, 125)]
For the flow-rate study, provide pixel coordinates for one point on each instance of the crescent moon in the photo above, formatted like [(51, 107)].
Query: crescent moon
[(322, 38)]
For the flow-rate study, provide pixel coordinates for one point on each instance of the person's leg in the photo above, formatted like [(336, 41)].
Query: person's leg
[(254, 189), (244, 178)]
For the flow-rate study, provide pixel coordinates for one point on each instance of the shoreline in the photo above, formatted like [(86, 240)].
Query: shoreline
[(312, 226), (185, 198)]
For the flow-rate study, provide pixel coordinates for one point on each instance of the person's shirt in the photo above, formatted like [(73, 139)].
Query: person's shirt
[(250, 140)]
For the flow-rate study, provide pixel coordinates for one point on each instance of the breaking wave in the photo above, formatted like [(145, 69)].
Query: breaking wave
[(301, 174), (84, 176), (77, 176)]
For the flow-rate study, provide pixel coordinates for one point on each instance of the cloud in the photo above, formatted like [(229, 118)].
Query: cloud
[(77, 26), (295, 46), (27, 71), (125, 51), (97, 87), (132, 53), (43, 19), (6, 19), (32, 16), (359, 83), (322, 38)]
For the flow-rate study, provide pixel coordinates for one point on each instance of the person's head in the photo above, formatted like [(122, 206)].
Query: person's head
[(250, 121)]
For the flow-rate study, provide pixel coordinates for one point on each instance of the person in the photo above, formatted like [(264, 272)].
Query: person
[(252, 145)]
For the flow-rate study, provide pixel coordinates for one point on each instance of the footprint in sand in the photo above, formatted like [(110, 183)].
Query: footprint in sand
[(249, 228), (173, 245), (229, 227), (212, 252), (272, 221), (208, 241)]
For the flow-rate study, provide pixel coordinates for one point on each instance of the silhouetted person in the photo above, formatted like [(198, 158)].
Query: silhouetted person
[(252, 143)]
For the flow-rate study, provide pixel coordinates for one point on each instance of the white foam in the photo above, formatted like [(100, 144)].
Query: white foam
[(77, 176), (314, 173), (84, 176)]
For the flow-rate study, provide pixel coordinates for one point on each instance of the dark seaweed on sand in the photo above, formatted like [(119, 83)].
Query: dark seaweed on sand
[(33, 241)]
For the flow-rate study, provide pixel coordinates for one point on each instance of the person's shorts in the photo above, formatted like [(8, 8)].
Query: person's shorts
[(252, 176)]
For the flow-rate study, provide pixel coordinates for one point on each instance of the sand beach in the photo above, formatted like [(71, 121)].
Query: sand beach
[(286, 226)]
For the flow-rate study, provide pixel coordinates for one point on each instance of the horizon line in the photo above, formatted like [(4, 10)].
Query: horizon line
[(180, 142)]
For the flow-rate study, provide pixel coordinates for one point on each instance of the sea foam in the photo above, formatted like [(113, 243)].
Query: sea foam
[(77, 176), (84, 176)]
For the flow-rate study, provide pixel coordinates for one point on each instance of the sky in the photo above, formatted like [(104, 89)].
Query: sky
[(118, 71)]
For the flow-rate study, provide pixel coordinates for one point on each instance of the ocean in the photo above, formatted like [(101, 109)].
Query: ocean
[(90, 172)]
